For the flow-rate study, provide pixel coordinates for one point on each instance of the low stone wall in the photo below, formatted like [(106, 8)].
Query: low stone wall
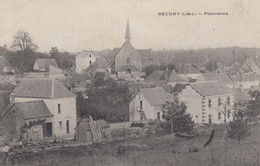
[(124, 125)]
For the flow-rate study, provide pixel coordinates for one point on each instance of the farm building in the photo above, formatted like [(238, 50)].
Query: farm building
[(89, 130)]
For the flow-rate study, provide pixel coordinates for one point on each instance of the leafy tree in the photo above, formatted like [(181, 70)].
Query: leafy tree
[(63, 59), (105, 100), (23, 43), (253, 106), (177, 119), (238, 128)]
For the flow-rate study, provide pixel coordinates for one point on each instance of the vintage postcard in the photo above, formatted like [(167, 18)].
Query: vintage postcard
[(130, 82)]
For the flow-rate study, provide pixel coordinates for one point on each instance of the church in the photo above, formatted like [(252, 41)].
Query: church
[(128, 62)]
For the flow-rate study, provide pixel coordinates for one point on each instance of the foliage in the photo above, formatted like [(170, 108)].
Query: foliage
[(105, 100), (63, 59), (175, 113), (238, 128), (253, 106), (137, 125)]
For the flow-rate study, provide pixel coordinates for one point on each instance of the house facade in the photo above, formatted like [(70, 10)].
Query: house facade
[(84, 60), (208, 102), (147, 104), (60, 102)]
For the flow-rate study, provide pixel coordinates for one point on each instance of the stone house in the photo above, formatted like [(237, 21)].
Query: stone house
[(84, 60), (147, 104), (208, 102), (60, 102)]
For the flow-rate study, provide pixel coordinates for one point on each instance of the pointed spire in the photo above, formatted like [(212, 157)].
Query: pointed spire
[(127, 32)]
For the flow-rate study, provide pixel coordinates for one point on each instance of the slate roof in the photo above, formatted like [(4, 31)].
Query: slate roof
[(42, 88), (101, 63), (160, 75), (245, 77), (46, 62), (156, 96), (221, 77), (32, 109), (210, 88), (155, 75), (175, 77), (189, 69)]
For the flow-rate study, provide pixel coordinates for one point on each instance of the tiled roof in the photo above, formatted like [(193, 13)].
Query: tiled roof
[(155, 75), (46, 62), (42, 88), (221, 77), (32, 109), (101, 63), (156, 96), (83, 54), (210, 88)]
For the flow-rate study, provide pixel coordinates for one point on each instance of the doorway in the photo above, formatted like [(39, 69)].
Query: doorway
[(47, 130)]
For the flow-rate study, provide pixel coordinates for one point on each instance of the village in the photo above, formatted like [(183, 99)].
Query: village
[(101, 98)]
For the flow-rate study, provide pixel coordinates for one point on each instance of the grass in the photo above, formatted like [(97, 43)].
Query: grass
[(164, 151)]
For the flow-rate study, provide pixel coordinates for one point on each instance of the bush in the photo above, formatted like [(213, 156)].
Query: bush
[(137, 125)]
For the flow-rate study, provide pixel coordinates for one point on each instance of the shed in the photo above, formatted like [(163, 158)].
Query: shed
[(89, 130)]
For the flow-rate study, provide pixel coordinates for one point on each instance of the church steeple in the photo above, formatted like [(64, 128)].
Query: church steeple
[(127, 32)]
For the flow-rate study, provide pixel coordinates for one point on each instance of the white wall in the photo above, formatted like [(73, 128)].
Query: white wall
[(198, 106), (134, 107), (84, 62), (68, 112), (193, 101)]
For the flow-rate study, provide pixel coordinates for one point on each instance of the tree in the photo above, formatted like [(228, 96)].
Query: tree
[(105, 99), (23, 43), (177, 119), (238, 128), (253, 106)]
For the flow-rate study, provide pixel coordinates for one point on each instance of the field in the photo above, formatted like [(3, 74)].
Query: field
[(154, 151)]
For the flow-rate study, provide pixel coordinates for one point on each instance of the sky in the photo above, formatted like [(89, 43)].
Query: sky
[(75, 25)]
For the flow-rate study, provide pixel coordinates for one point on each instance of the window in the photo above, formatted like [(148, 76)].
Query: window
[(141, 105), (219, 116), (228, 100), (219, 102), (141, 117), (90, 55), (210, 119), (59, 109), (60, 122), (128, 60), (68, 126), (158, 115), (90, 62), (210, 103)]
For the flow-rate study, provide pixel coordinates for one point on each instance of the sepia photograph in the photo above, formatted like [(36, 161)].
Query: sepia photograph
[(129, 83)]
